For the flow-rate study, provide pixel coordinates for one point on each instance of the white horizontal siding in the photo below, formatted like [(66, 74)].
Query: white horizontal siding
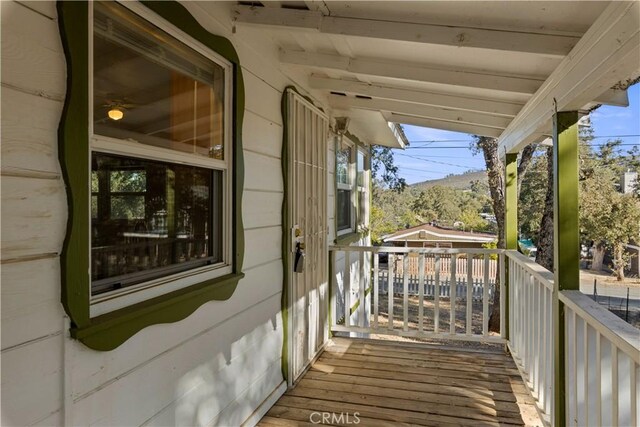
[(208, 372), (31, 381), (215, 366), (31, 306), (34, 215), (31, 59), (29, 133)]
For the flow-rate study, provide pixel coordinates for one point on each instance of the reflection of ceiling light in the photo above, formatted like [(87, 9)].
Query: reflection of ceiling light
[(115, 113)]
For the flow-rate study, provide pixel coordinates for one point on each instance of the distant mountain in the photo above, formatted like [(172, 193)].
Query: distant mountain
[(461, 181)]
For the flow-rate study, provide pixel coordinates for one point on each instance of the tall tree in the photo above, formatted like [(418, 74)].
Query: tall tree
[(544, 254), (495, 173), (384, 171)]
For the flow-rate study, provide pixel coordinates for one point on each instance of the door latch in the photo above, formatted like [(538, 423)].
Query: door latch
[(298, 264)]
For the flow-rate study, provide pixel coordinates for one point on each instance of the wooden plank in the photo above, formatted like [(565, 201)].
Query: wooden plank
[(460, 394), (433, 411), (383, 28), (367, 411), (440, 376), (311, 417), (486, 406), (31, 308), (419, 110), (421, 349), (32, 56), (488, 106), (607, 53), (261, 135), (266, 209), (31, 381), (413, 71), (29, 133), (37, 212), (466, 370), (476, 364), (262, 172)]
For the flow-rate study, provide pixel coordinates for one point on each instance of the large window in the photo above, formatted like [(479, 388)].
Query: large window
[(158, 161), (152, 159), (362, 183)]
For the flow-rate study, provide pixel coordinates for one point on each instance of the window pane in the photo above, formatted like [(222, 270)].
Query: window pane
[(344, 209), (342, 166), (360, 168), (151, 219), (152, 89)]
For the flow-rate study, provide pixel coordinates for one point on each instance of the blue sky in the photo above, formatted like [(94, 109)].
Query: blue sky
[(420, 164)]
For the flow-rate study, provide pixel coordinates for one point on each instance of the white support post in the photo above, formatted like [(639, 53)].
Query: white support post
[(390, 283), (405, 291), (469, 317), (452, 295), (375, 290), (421, 268), (362, 307)]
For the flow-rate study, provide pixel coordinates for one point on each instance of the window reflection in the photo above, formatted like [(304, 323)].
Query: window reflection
[(150, 219)]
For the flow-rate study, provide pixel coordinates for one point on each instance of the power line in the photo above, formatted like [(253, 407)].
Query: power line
[(435, 161), (467, 148), (429, 141)]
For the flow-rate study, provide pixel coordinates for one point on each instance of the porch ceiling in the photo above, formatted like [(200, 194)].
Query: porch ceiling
[(484, 67)]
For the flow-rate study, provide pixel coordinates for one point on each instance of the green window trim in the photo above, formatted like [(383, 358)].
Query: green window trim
[(108, 331)]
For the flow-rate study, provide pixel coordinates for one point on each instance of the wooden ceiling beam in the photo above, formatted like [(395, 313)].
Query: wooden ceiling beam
[(414, 72), (464, 103), (442, 124), (608, 53), (426, 111), (539, 43)]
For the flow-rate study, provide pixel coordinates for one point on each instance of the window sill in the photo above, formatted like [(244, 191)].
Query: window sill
[(110, 330), (347, 239)]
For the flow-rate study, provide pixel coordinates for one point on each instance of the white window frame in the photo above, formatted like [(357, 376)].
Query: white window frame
[(362, 221), (116, 299), (345, 144)]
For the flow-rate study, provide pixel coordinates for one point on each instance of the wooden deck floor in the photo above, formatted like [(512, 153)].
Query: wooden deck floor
[(386, 384)]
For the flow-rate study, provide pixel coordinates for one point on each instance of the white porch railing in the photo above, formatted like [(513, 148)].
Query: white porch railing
[(602, 352), (530, 327), (603, 364), (436, 293)]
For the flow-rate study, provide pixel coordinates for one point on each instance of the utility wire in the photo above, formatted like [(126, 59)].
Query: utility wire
[(435, 161), (467, 148), (467, 140)]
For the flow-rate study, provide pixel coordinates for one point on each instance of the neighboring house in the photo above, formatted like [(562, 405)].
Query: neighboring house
[(432, 236), (628, 182)]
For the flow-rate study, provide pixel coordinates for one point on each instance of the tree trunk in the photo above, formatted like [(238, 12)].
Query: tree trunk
[(495, 175), (598, 256), (618, 261), (544, 255)]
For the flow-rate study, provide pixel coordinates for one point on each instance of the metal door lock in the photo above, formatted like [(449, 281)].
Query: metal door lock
[(298, 265)]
